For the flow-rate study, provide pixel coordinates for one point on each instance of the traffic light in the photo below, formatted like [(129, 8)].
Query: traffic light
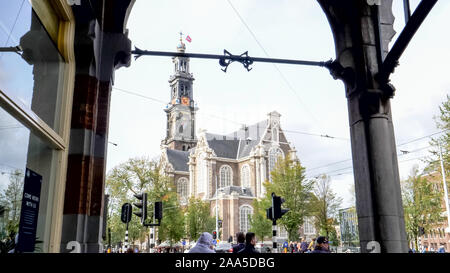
[(142, 213), (269, 213), (158, 212), (214, 235), (220, 223), (277, 211), (421, 231)]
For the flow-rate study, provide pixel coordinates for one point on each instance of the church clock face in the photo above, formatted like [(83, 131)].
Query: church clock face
[(185, 101)]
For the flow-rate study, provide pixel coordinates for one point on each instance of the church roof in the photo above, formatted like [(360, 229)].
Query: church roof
[(237, 144), (255, 131), (178, 159), (224, 148)]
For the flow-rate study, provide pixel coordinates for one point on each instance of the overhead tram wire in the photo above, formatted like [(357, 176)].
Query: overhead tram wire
[(410, 141), (278, 69), (224, 119), (14, 26), (311, 134), (399, 155)]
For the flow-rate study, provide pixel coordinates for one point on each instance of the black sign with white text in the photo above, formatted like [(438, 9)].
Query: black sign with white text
[(29, 212)]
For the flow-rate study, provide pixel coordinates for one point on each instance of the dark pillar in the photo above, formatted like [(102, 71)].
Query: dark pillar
[(359, 48), (101, 47)]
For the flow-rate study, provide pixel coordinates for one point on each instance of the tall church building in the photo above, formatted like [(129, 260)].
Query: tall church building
[(228, 168)]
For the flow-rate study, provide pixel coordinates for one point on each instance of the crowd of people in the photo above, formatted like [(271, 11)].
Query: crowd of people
[(246, 245)]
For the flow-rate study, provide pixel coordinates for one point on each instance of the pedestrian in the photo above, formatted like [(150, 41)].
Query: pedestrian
[(250, 242), (298, 246), (240, 242), (311, 245), (303, 246), (204, 244), (322, 245), (285, 246), (291, 246), (130, 250)]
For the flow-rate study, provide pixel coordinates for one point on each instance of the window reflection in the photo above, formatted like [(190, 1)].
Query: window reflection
[(35, 78)]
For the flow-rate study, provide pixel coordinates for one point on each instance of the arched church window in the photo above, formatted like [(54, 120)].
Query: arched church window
[(182, 187), (245, 176), (225, 176), (274, 155), (245, 212)]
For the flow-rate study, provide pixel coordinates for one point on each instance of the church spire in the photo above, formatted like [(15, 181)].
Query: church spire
[(181, 47), (181, 109)]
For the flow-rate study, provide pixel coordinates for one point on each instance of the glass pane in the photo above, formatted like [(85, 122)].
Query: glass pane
[(20, 149), (35, 78)]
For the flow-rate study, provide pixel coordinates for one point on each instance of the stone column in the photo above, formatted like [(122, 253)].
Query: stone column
[(101, 47), (355, 25)]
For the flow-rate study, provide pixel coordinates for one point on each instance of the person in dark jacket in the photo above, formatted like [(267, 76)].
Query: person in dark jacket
[(303, 246), (322, 245), (250, 241), (240, 242)]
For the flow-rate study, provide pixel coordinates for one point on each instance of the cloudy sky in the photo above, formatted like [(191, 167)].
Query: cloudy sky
[(308, 98)]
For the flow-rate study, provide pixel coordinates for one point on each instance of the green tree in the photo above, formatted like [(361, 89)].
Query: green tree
[(333, 237), (325, 205), (11, 201), (260, 225), (289, 182), (443, 123), (172, 227), (198, 219), (421, 204), (134, 176)]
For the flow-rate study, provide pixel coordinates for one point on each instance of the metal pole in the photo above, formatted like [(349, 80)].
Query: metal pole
[(274, 237), (217, 215), (407, 10), (445, 188), (126, 239), (139, 52)]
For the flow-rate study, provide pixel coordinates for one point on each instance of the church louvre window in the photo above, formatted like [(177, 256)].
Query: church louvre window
[(182, 188), (274, 154), (245, 213), (245, 176), (225, 176), (275, 135)]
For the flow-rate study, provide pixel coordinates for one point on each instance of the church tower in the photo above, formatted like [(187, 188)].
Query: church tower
[(181, 109)]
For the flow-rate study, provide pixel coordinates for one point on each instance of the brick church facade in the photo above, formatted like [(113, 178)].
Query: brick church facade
[(229, 169)]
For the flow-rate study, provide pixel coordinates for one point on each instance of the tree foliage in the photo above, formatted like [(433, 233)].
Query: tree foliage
[(289, 182), (441, 143), (421, 204), (172, 227), (260, 225), (198, 219), (11, 201), (134, 176), (325, 205)]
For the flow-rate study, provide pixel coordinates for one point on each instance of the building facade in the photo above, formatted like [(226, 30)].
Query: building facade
[(57, 63), (439, 235), (228, 171), (348, 227)]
